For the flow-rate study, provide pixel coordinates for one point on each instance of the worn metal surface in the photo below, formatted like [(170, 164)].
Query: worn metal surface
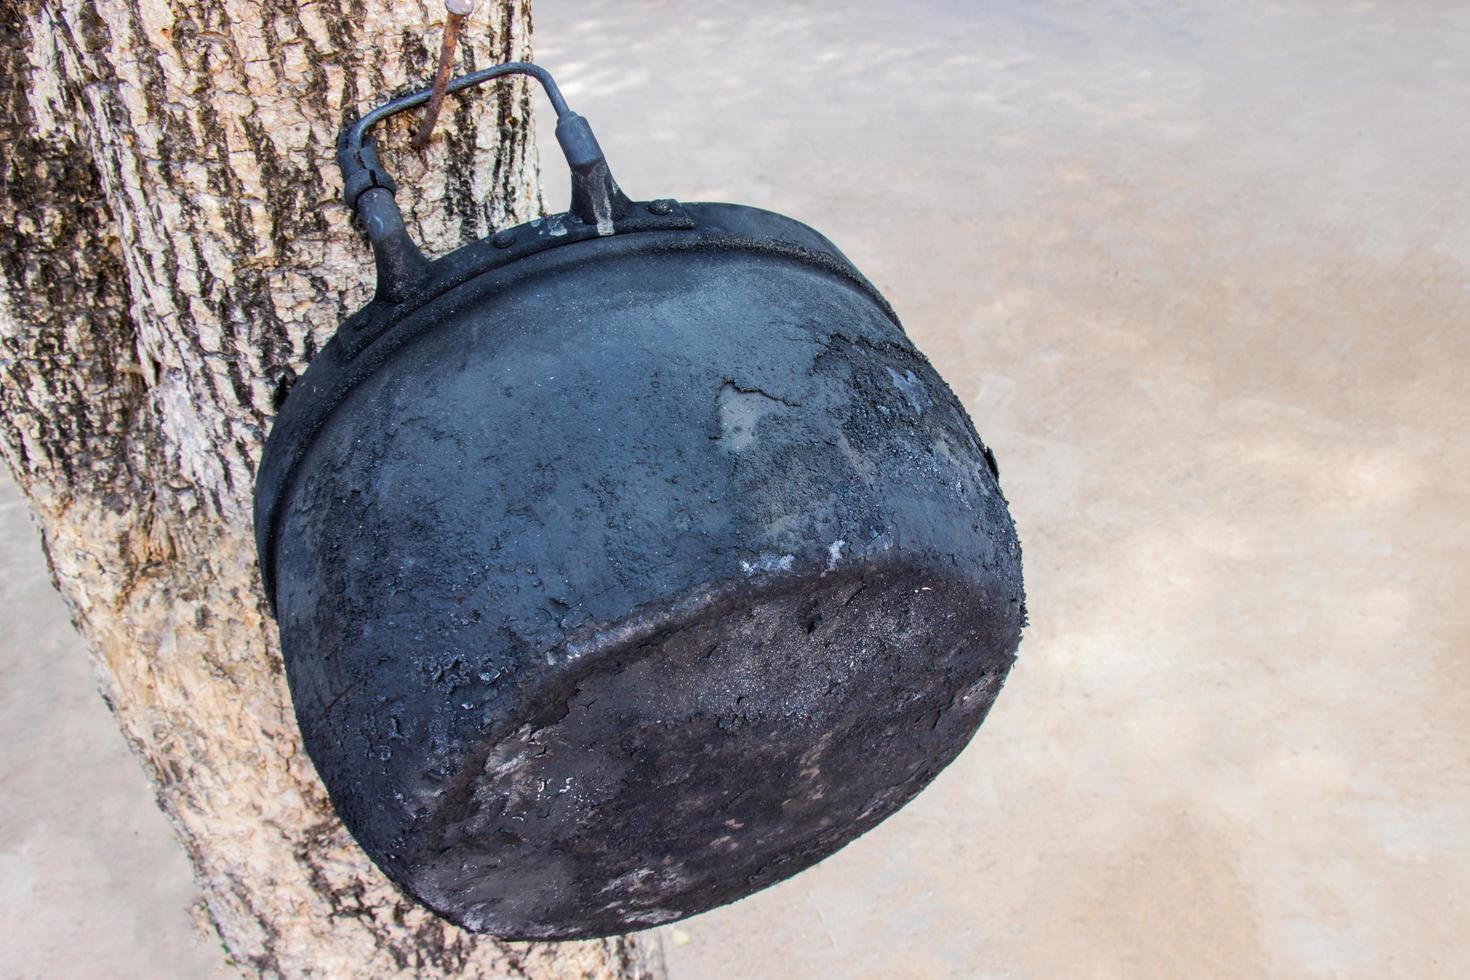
[(627, 565), (643, 573)]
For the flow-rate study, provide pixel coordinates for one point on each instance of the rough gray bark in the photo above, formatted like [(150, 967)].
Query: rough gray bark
[(172, 252)]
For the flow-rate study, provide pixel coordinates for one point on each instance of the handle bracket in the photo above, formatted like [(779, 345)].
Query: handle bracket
[(368, 187)]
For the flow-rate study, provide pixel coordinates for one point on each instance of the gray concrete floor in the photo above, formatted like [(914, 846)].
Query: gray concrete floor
[(92, 882), (1201, 273)]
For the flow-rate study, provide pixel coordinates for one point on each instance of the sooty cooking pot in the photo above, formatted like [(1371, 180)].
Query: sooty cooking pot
[(628, 561)]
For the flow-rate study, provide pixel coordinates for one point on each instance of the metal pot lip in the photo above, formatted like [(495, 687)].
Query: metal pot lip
[(367, 340)]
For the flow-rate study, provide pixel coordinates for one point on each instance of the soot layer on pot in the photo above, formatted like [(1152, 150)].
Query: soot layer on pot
[(635, 577)]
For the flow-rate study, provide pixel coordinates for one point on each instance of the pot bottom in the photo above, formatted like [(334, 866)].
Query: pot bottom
[(719, 754)]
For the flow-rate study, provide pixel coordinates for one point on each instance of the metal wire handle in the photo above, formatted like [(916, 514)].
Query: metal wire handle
[(369, 188)]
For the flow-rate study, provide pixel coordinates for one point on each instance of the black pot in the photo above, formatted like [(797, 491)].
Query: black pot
[(627, 562)]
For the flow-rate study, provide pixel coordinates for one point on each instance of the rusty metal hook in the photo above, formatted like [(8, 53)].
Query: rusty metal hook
[(457, 14)]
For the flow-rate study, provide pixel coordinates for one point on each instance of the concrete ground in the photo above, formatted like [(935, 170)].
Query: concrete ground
[(1201, 274)]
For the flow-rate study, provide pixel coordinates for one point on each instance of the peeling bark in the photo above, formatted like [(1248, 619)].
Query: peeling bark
[(172, 253)]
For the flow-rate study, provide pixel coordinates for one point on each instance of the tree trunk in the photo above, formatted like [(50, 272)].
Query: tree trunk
[(173, 253)]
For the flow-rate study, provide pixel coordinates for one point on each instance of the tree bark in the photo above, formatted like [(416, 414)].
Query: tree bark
[(173, 253)]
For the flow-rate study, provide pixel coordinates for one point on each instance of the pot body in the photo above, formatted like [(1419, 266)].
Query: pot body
[(632, 576)]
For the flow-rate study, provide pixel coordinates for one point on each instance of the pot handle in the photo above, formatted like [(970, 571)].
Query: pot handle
[(368, 187)]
